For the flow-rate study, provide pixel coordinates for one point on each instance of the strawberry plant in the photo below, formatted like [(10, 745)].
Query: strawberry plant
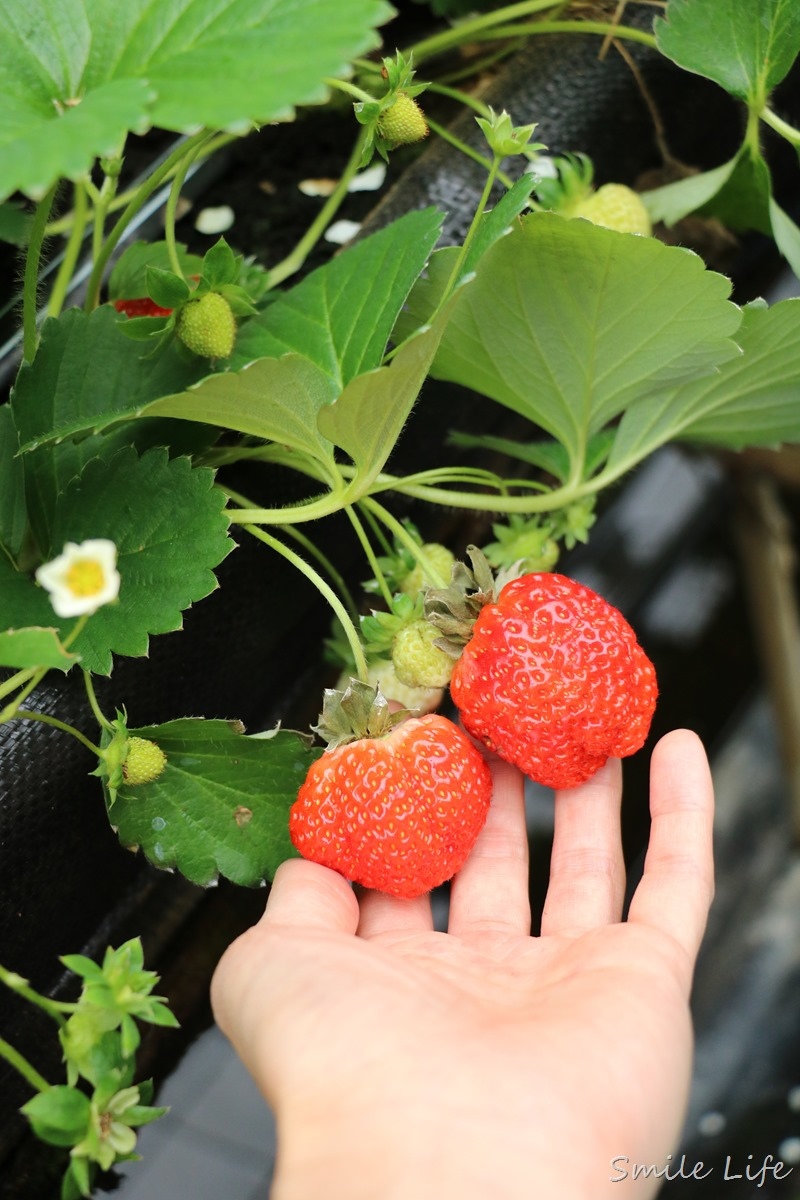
[(147, 370)]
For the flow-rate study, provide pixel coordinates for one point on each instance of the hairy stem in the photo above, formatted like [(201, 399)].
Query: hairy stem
[(72, 249), (26, 715), (323, 588), (141, 195), (294, 261), (31, 278), (780, 126), (402, 535), (53, 1008), (370, 554)]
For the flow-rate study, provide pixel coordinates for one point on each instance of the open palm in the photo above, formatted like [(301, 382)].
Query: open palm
[(485, 1062)]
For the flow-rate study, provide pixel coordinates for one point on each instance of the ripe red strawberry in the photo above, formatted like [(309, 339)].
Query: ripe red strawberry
[(141, 306), (399, 812), (554, 680)]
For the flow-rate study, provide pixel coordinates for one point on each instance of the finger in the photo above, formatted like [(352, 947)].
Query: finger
[(305, 895), (587, 869), (676, 889), (382, 914), (305, 898), (490, 891)]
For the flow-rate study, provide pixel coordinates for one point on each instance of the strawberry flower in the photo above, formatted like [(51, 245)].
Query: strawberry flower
[(83, 577)]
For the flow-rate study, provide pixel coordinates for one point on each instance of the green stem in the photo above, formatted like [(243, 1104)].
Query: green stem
[(322, 506), (478, 106), (26, 715), (467, 150), (8, 713), (53, 1008), (99, 716), (21, 1064), (377, 530), (121, 199), (171, 208), (71, 250), (16, 680), (601, 28), (336, 576), (102, 205), (468, 240), (402, 535), (31, 279), (350, 89), (142, 194), (294, 261), (370, 553), (469, 31), (780, 126), (480, 502), (324, 589)]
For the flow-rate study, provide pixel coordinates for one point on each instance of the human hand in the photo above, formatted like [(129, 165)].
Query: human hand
[(403, 1062)]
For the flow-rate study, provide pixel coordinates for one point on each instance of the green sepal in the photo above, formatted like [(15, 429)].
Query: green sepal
[(58, 1116), (220, 266), (165, 288)]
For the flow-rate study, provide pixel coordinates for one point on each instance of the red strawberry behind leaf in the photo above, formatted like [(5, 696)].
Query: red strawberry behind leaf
[(397, 810), (551, 676), (141, 306)]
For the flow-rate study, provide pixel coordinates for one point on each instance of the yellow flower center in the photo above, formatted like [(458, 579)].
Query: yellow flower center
[(85, 577)]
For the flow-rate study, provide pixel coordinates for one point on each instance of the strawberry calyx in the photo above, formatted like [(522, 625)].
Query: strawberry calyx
[(360, 711), (455, 609)]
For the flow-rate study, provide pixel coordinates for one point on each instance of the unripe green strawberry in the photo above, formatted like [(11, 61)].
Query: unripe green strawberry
[(440, 558), (417, 662), (615, 206), (145, 761), (207, 326), (403, 122)]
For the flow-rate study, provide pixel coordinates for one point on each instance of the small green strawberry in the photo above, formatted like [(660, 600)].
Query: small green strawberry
[(403, 122), (144, 763), (207, 326), (440, 558), (418, 661), (572, 194), (615, 206)]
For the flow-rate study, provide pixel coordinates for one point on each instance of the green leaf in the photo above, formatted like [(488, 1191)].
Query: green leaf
[(368, 417), (738, 193), (746, 46), (15, 224), (674, 201), (750, 401), (59, 1116), (13, 514), (165, 288), (221, 805), (87, 374), (341, 316), (498, 221), (79, 74), (170, 532), (129, 278), (34, 647), (786, 234), (274, 398), (569, 324)]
